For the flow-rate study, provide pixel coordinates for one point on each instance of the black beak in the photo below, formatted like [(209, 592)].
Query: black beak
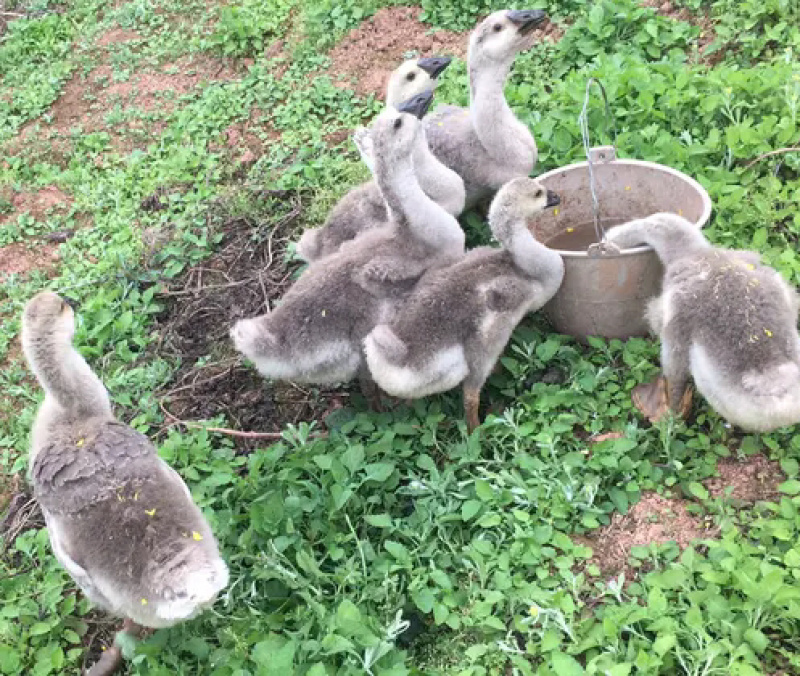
[(553, 200), (417, 105), (72, 303), (526, 19), (434, 65)]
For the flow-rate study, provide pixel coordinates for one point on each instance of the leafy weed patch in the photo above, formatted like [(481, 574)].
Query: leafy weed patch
[(196, 146)]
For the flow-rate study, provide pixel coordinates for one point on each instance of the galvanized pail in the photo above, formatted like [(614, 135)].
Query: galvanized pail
[(606, 295)]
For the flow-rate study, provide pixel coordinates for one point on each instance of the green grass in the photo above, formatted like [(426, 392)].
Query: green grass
[(336, 543)]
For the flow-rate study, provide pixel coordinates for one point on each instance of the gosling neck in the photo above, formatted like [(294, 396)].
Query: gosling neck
[(533, 258), (69, 383), (501, 134), (437, 181), (411, 208)]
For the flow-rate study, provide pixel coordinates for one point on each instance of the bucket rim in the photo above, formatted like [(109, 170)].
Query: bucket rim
[(704, 196)]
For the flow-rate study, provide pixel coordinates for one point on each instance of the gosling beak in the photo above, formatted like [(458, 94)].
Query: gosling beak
[(72, 303), (526, 19), (417, 105), (434, 65), (553, 200)]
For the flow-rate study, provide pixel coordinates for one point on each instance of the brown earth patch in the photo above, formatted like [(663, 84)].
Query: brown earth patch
[(116, 36), (243, 139), (755, 478), (86, 99), (653, 520), (369, 53), (19, 259), (38, 204)]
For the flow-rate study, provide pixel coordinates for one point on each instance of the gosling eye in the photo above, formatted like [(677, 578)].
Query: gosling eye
[(497, 27), (538, 193), (398, 123), (410, 77)]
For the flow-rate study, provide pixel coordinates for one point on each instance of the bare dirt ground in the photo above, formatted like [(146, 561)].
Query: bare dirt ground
[(655, 519), (22, 258), (367, 55), (750, 480)]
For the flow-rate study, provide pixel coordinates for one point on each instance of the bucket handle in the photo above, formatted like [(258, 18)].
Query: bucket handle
[(594, 153)]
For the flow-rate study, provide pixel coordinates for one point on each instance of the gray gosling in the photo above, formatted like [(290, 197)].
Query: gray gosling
[(120, 520), (723, 318), (363, 207), (315, 334), (456, 323), (486, 144)]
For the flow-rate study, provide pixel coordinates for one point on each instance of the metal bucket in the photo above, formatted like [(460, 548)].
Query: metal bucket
[(606, 295)]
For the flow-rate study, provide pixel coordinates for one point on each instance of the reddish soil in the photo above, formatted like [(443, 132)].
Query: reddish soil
[(19, 259), (755, 478), (38, 204), (368, 54), (86, 99), (653, 520), (241, 138), (116, 36)]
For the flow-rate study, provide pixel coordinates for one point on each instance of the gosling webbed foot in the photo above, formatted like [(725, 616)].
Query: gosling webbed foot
[(652, 400), (111, 659)]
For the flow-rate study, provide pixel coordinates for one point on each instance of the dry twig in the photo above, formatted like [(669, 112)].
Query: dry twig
[(772, 153)]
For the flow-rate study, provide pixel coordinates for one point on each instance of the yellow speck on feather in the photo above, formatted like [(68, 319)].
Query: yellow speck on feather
[(196, 536), (555, 211), (750, 266), (144, 602), (627, 187), (136, 496), (80, 441), (570, 229), (768, 332), (150, 512), (680, 212)]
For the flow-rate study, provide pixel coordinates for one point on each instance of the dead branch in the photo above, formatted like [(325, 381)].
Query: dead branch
[(772, 153)]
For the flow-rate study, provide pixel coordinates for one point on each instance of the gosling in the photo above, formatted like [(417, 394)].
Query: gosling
[(120, 520), (725, 319), (315, 334), (456, 323), (363, 207)]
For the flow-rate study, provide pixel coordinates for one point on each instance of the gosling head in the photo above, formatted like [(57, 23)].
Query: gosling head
[(47, 316), (395, 132), (413, 77), (515, 203), (502, 35)]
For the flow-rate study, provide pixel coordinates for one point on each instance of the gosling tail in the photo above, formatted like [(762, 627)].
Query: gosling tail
[(385, 341), (672, 236), (309, 246)]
